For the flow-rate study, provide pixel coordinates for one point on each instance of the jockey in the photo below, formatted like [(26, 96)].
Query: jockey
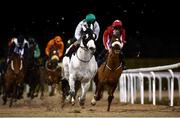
[(18, 45), (90, 19), (116, 25), (57, 42), (37, 52)]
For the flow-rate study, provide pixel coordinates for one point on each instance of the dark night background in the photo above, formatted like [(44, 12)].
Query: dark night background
[(152, 26)]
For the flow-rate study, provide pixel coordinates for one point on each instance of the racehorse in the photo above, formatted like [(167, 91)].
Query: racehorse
[(32, 73), (51, 73), (13, 79), (82, 66), (109, 72)]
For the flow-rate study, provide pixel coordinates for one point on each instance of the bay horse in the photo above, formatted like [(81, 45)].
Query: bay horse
[(82, 66), (13, 79), (51, 73), (109, 72)]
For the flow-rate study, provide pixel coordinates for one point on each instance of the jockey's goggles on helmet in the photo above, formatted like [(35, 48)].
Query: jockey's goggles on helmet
[(117, 27)]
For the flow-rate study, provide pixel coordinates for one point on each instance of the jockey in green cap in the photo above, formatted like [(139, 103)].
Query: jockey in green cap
[(88, 21)]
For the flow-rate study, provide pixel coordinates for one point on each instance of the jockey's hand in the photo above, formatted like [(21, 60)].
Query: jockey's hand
[(110, 50)]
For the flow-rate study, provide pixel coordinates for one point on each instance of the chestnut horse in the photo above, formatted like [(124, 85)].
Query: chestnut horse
[(109, 72)]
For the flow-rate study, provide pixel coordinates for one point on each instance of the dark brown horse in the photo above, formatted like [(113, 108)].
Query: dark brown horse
[(32, 76), (13, 79), (109, 72), (50, 74)]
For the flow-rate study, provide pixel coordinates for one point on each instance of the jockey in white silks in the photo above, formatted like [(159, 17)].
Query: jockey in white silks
[(19, 45), (89, 20)]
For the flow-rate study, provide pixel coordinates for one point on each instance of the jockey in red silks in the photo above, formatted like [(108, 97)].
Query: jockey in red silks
[(116, 25)]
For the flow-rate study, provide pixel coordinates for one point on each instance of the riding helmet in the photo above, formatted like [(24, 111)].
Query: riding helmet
[(117, 23), (90, 17)]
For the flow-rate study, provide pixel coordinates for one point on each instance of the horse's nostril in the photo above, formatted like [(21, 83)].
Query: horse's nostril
[(92, 49)]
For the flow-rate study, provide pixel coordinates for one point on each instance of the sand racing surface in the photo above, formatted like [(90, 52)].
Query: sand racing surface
[(51, 107)]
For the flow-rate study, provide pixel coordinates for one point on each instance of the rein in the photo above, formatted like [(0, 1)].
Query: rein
[(120, 65), (114, 69)]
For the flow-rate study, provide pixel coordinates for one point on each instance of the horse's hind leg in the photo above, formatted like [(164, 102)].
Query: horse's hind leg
[(98, 94), (65, 89), (85, 88)]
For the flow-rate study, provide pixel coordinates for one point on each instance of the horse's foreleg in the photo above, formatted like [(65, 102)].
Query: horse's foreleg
[(84, 88), (77, 86), (4, 97), (72, 89), (53, 88), (110, 97), (42, 91), (13, 95)]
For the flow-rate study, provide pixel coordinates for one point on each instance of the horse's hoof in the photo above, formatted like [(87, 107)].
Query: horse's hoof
[(68, 99), (41, 97), (72, 103), (35, 95), (4, 103), (81, 101), (51, 94), (28, 95), (93, 102), (62, 106), (10, 105)]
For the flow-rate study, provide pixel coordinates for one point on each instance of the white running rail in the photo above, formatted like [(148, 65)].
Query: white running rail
[(132, 79)]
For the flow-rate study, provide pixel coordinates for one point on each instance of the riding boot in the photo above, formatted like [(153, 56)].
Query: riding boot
[(72, 49)]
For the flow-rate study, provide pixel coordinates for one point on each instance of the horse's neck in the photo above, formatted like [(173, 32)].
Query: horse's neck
[(84, 53), (16, 61), (113, 60), (50, 66)]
